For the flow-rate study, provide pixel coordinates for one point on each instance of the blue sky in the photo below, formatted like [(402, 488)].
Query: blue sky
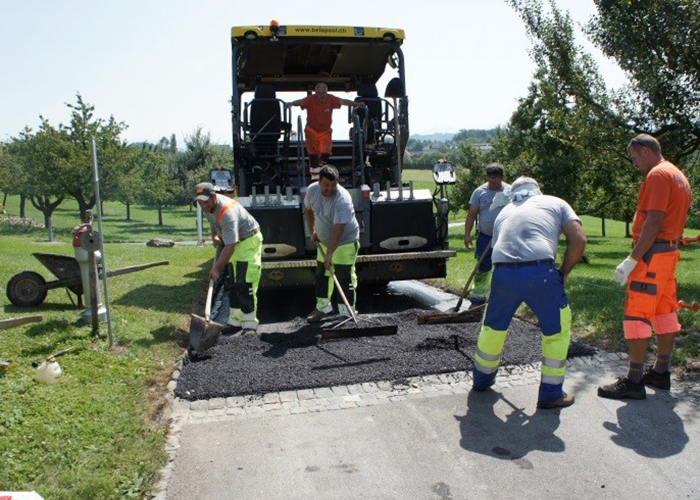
[(164, 66)]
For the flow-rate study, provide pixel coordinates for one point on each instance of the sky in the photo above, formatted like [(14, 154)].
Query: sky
[(164, 66)]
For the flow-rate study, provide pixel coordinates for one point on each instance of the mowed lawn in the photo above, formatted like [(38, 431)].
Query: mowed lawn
[(98, 432)]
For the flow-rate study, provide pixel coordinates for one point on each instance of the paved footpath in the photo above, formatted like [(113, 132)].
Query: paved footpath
[(430, 437)]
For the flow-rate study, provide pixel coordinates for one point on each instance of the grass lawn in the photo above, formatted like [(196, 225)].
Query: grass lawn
[(96, 433), (179, 223)]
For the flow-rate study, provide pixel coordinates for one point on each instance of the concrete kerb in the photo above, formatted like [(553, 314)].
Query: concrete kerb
[(318, 399)]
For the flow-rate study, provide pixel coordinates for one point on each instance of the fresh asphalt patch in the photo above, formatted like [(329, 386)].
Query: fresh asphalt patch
[(288, 354)]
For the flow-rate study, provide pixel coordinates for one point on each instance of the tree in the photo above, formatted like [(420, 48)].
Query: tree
[(571, 132), (111, 151), (158, 189), (42, 156), (129, 180)]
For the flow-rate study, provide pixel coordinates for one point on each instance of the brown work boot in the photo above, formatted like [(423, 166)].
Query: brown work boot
[(562, 402)]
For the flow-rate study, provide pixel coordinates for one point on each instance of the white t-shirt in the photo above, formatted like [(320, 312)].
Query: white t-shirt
[(529, 230), (482, 197), (336, 209)]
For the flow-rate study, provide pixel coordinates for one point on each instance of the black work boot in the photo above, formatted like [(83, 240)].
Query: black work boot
[(623, 388), (656, 379)]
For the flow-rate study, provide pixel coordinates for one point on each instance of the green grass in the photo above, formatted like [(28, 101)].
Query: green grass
[(179, 223), (596, 300), (94, 434)]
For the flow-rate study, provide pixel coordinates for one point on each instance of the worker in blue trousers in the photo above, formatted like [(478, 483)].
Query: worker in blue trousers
[(480, 205), (525, 238)]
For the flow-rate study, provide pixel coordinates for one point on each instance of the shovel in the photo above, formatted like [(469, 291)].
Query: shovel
[(203, 332), (455, 315), (337, 333)]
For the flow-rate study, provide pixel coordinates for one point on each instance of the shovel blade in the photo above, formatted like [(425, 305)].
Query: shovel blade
[(203, 334)]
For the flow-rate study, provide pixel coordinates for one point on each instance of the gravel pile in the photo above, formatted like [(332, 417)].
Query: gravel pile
[(290, 355)]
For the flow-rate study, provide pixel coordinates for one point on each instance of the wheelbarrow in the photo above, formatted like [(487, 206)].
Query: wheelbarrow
[(28, 288)]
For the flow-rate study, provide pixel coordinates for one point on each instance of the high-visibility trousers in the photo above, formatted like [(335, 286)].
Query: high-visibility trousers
[(343, 260), (244, 277), (318, 143), (482, 280), (651, 302), (541, 287)]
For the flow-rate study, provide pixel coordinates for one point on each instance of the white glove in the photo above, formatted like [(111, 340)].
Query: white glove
[(622, 272)]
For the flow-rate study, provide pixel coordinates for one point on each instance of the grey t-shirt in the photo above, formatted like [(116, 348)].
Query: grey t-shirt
[(236, 223), (482, 197), (337, 209), (529, 230)]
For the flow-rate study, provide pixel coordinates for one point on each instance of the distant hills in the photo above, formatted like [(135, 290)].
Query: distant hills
[(438, 137), (471, 135)]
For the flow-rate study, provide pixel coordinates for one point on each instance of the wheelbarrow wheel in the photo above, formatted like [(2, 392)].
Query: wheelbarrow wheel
[(24, 290)]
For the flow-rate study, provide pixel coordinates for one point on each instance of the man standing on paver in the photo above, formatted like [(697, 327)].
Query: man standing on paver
[(525, 238), (330, 217), (237, 237), (480, 204), (319, 118), (649, 272)]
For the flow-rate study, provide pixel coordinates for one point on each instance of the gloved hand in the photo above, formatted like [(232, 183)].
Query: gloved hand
[(622, 272)]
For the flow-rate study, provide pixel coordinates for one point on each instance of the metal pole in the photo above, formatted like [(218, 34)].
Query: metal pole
[(397, 127), (200, 234), (96, 180)]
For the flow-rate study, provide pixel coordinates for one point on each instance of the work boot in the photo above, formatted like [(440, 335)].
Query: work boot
[(623, 388), (316, 316), (562, 402), (248, 331), (656, 379), (482, 381)]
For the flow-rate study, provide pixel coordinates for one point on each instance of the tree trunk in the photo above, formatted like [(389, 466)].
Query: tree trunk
[(602, 225), (48, 222), (160, 215), (22, 205), (627, 229), (4, 200), (128, 211)]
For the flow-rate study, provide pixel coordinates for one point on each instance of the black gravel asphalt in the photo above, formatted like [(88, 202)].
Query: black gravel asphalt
[(288, 354)]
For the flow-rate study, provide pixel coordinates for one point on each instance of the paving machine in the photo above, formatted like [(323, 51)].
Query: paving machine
[(403, 230)]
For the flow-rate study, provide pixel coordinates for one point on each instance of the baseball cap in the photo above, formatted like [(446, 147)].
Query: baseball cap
[(203, 191)]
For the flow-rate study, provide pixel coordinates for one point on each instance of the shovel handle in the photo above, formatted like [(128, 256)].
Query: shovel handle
[(337, 286), (471, 276), (207, 306)]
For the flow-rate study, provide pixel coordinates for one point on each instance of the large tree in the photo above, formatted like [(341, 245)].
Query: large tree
[(111, 151), (571, 131), (41, 158)]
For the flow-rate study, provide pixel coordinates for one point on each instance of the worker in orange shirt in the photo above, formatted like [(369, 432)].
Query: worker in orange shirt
[(649, 271), (319, 118)]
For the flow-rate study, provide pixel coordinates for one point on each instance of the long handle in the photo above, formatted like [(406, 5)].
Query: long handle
[(12, 322), (471, 276), (337, 285), (207, 306)]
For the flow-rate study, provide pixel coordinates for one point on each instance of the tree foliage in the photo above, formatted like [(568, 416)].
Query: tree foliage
[(571, 132)]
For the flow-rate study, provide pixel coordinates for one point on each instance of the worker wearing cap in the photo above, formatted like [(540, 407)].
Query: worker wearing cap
[(480, 204), (525, 238), (237, 236), (319, 118), (649, 272), (330, 217)]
